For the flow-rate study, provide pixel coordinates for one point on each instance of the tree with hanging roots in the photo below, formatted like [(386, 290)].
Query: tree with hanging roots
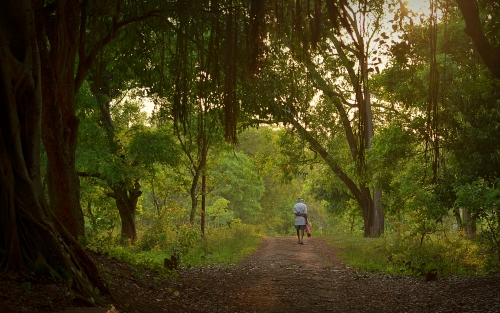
[(45, 55), (32, 239)]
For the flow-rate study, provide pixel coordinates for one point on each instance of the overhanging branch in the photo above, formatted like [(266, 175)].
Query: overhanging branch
[(489, 53), (86, 60)]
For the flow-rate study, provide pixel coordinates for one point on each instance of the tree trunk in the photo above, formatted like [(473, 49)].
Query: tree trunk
[(29, 231), (61, 34), (126, 202), (60, 124), (203, 201), (194, 195), (377, 222), (469, 223), (372, 215)]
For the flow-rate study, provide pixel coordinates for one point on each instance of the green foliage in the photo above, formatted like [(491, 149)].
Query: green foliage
[(218, 213), (237, 181), (260, 181), (449, 254), (483, 200), (154, 146), (262, 146), (348, 221), (223, 245)]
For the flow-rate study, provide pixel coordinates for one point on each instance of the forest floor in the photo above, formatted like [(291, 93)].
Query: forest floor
[(282, 276)]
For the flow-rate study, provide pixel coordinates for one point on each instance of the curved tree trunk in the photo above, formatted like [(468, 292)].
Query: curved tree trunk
[(372, 214), (369, 203), (29, 231)]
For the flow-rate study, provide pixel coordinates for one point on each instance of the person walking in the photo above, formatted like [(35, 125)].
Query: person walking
[(300, 211)]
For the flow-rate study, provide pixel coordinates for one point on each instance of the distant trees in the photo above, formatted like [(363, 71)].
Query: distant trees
[(325, 98)]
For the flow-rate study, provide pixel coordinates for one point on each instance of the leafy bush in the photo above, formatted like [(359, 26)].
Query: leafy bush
[(449, 255), (223, 245), (483, 201)]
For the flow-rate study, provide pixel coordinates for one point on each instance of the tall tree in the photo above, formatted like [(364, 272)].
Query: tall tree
[(128, 150), (70, 36), (29, 231), (337, 66)]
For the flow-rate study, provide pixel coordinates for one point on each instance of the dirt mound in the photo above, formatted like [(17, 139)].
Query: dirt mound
[(283, 276)]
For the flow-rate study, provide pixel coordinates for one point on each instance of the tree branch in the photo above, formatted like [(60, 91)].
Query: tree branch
[(86, 61), (489, 54)]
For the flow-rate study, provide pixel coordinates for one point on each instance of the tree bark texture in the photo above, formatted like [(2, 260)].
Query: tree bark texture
[(58, 41), (29, 232)]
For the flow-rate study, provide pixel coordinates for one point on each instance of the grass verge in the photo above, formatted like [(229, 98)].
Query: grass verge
[(410, 256)]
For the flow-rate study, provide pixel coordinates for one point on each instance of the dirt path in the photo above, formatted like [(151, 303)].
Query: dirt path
[(283, 276)]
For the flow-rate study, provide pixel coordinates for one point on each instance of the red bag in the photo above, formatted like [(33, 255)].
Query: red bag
[(308, 230)]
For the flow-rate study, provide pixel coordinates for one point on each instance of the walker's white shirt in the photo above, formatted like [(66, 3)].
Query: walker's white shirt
[(300, 208)]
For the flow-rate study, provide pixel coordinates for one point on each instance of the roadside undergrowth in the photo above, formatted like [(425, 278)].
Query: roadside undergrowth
[(405, 255), (184, 247)]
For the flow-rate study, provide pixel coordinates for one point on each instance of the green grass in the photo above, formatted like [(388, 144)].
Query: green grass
[(222, 246), (225, 246), (406, 255), (361, 253)]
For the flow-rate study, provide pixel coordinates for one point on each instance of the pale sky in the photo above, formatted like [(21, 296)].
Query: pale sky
[(415, 5)]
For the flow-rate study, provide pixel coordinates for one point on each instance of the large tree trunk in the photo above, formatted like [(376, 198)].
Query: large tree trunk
[(62, 38), (370, 205), (29, 231), (375, 226), (60, 124)]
